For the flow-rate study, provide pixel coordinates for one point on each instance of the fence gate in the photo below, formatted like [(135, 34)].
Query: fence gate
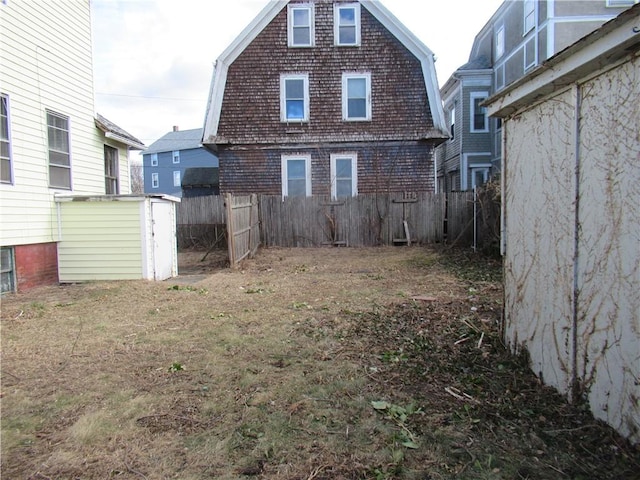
[(243, 227)]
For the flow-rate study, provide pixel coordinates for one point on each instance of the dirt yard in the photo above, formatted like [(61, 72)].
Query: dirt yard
[(305, 364)]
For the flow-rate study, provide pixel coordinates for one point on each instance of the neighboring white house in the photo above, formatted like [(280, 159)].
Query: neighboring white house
[(571, 220), (51, 139)]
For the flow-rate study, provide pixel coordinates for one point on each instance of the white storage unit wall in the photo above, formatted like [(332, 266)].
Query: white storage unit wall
[(117, 237)]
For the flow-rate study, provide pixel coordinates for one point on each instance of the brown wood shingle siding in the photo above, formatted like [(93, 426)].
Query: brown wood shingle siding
[(251, 137), (399, 99), (382, 167)]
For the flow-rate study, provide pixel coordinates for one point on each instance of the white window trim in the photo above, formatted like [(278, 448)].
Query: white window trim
[(354, 173), (285, 177), (452, 122), (175, 155), (7, 102), (527, 14), (621, 3), (484, 167), (154, 159), (472, 109), (155, 180), (530, 62), (336, 24), (499, 40), (500, 76), (345, 99), (49, 164), (283, 99), (312, 26), (176, 175)]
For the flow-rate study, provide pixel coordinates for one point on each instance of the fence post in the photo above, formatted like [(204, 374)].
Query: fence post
[(231, 240)]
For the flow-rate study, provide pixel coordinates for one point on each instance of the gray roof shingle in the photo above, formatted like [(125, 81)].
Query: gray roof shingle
[(174, 141)]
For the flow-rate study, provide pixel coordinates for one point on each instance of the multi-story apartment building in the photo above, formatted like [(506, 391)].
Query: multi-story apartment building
[(518, 38)]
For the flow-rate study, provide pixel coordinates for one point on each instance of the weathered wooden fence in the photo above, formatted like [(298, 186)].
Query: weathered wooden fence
[(201, 222), (365, 220), (243, 227)]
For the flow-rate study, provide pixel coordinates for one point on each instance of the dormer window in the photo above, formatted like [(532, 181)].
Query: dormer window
[(301, 25), (346, 24)]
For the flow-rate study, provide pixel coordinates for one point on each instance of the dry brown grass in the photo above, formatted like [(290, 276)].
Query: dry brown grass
[(270, 371)]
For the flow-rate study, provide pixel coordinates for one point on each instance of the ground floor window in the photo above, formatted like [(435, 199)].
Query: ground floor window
[(7, 270), (479, 176), (344, 175), (296, 176)]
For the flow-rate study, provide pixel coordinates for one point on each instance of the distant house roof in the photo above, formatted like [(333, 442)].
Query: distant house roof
[(113, 131), (198, 177), (478, 63), (177, 140)]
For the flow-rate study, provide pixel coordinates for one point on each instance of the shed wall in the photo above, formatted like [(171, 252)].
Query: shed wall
[(100, 241), (572, 262)]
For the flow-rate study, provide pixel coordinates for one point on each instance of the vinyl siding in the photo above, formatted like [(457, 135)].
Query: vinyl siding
[(46, 59), (101, 241)]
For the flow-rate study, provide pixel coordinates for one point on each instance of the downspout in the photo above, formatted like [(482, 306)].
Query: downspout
[(574, 387)]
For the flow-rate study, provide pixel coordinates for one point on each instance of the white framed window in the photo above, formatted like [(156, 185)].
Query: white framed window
[(344, 175), (59, 151), (296, 175), (499, 42), (155, 180), (530, 53), (6, 175), (154, 159), (479, 118), (301, 25), (294, 98), (176, 157), (499, 76), (529, 15), (111, 180), (479, 176), (346, 24), (176, 178), (356, 96), (452, 122)]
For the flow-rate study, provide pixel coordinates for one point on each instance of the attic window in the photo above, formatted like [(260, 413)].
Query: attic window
[(346, 24), (301, 25)]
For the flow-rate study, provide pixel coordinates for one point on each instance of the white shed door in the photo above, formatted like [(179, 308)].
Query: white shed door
[(163, 233)]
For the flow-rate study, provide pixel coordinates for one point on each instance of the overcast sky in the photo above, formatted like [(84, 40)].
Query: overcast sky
[(153, 59)]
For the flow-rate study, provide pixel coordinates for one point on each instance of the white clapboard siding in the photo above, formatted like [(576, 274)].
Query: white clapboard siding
[(46, 59)]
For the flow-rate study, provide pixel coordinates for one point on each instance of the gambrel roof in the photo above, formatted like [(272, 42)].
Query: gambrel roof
[(264, 18)]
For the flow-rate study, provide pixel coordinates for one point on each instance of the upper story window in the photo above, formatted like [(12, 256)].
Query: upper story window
[(452, 122), (499, 42), (344, 175), (346, 24), (5, 141), (111, 182), (356, 96), (59, 151), (294, 98), (479, 118), (301, 25), (154, 159), (176, 178), (296, 175), (176, 156), (155, 180), (529, 15)]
